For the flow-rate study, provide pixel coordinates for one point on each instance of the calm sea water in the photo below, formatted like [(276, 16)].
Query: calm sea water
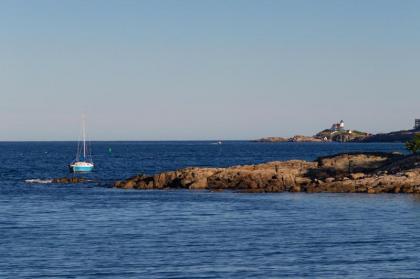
[(91, 231)]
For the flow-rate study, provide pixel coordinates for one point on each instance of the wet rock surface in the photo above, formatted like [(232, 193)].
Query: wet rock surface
[(71, 180), (342, 173)]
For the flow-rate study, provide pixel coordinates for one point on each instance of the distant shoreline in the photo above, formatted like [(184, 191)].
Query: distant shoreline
[(392, 137)]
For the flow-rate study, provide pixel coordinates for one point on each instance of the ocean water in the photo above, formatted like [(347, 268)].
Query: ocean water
[(95, 231)]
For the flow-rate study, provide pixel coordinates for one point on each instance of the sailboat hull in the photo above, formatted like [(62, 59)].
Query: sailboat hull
[(81, 167)]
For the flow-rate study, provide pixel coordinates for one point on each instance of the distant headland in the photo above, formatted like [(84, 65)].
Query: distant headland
[(338, 133)]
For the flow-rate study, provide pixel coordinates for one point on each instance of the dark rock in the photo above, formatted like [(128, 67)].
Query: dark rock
[(71, 180)]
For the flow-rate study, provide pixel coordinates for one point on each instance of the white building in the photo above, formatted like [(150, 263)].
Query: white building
[(341, 125), (338, 126), (417, 124)]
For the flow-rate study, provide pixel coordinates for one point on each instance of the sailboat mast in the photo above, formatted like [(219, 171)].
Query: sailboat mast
[(84, 137)]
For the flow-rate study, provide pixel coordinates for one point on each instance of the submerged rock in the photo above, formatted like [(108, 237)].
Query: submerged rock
[(61, 180), (343, 173), (71, 180)]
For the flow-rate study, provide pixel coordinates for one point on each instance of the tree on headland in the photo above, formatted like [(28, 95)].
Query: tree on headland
[(414, 144)]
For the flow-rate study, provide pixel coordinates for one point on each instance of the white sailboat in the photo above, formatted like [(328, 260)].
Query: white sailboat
[(83, 161)]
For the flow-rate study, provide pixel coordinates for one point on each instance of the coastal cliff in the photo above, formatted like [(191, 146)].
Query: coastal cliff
[(342, 173)]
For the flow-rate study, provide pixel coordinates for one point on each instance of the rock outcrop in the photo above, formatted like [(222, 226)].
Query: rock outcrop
[(343, 173), (273, 176), (71, 180)]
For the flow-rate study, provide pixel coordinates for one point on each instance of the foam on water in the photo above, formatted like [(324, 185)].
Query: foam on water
[(38, 181)]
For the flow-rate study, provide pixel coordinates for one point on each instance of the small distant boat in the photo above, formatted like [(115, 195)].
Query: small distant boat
[(83, 161)]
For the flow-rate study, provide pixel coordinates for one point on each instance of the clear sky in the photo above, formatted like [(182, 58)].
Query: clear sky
[(216, 69)]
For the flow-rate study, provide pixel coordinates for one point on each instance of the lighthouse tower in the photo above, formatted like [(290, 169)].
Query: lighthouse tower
[(341, 125)]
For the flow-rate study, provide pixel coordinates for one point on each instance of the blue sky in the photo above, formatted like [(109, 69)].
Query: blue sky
[(162, 70)]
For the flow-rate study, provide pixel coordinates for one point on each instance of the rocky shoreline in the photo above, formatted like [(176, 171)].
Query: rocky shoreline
[(373, 172), (342, 173)]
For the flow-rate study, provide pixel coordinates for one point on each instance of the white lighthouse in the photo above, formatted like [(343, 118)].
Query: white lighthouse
[(337, 126), (341, 125)]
